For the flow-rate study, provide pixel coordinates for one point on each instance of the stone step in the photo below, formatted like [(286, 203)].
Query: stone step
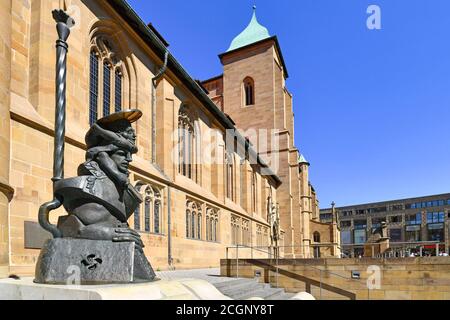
[(234, 283), (244, 288), (278, 294), (260, 293), (241, 289)]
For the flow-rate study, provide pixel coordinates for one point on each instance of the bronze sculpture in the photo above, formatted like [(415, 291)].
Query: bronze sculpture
[(94, 238), (100, 200)]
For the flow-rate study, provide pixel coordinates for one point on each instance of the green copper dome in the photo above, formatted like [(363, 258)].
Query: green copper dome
[(253, 33), (302, 159)]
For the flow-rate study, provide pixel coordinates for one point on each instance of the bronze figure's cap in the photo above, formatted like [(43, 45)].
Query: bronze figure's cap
[(114, 129), (128, 115)]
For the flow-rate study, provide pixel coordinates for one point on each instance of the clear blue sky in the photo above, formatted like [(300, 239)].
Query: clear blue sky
[(372, 107)]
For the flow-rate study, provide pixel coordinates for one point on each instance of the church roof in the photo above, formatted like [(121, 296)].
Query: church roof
[(254, 32)]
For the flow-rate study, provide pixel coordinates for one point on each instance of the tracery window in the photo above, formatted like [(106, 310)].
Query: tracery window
[(186, 145), (193, 220), (212, 225), (246, 236), (93, 87), (235, 230), (105, 86), (259, 235), (151, 209)]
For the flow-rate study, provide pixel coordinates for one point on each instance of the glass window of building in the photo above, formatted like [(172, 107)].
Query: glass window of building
[(360, 224), (346, 237), (376, 222), (412, 233), (395, 235), (359, 236), (436, 232), (395, 219), (346, 224), (435, 217), (414, 219)]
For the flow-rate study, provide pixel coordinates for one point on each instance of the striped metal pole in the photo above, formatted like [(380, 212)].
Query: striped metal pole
[(62, 19), (62, 26)]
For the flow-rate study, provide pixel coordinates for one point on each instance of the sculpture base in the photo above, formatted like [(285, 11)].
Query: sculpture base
[(92, 262), (183, 289)]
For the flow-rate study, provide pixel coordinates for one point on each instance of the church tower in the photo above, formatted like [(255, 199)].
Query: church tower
[(252, 92)]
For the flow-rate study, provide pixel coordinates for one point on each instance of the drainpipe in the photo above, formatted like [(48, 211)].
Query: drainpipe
[(154, 81), (169, 224)]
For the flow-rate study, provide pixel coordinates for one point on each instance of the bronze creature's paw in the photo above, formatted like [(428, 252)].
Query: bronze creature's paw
[(127, 235)]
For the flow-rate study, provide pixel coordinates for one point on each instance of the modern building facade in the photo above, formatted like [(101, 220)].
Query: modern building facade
[(413, 225)]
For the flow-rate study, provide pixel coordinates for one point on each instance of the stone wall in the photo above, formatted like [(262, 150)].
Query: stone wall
[(5, 79), (27, 92), (400, 279)]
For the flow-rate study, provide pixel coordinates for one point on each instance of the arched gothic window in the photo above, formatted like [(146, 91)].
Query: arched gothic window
[(157, 212), (259, 235), (151, 209), (186, 145), (93, 87), (212, 222), (118, 90), (105, 86), (208, 228), (249, 91), (316, 237), (245, 240), (188, 224), (193, 221), (199, 225)]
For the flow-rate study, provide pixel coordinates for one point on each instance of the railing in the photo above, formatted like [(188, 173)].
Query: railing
[(273, 266), (400, 249)]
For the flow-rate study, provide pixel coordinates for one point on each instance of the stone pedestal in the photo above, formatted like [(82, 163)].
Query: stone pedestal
[(185, 289), (89, 262)]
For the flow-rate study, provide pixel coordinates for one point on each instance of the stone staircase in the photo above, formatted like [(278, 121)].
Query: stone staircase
[(241, 289)]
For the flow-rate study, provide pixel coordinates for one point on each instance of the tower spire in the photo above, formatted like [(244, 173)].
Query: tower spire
[(253, 33)]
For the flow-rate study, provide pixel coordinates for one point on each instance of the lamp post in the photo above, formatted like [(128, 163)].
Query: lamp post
[(63, 20)]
